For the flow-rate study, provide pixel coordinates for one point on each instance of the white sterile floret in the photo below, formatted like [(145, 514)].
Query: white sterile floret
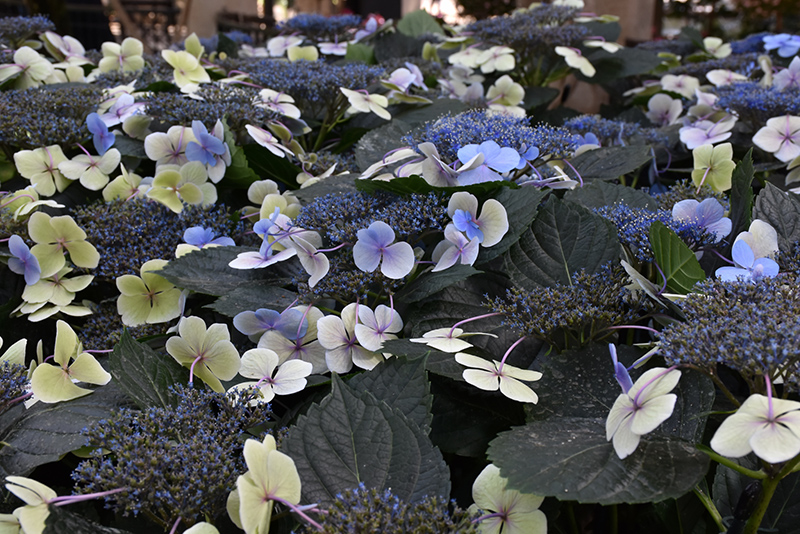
[(494, 375), (646, 405)]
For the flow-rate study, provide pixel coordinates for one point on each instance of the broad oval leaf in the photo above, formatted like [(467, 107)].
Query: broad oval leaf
[(564, 239), (782, 211), (678, 263)]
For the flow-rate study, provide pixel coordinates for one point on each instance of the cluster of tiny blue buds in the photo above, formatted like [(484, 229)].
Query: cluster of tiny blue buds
[(755, 104), (749, 327), (451, 132), (175, 462), (361, 510), (633, 228), (320, 26)]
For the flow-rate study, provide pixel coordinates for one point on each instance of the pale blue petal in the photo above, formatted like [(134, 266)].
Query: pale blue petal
[(742, 254)]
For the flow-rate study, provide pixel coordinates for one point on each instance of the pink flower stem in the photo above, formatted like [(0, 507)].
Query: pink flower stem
[(705, 175), (296, 509), (174, 528), (488, 516), (580, 178), (300, 326), (512, 347), (191, 369), (638, 327), (337, 247), (69, 499), (14, 200), (465, 321), (21, 398), (97, 351)]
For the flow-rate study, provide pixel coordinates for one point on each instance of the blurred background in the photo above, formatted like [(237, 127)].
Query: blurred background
[(160, 23)]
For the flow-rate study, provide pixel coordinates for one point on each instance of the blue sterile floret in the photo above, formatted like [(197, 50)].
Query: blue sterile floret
[(751, 328), (173, 462), (633, 228)]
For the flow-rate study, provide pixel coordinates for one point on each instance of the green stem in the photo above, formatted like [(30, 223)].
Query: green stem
[(573, 521), (768, 487), (758, 475), (709, 506), (614, 527)]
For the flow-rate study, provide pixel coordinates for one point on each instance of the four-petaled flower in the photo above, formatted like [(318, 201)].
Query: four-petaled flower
[(342, 349), (781, 136), (363, 102), (208, 352), (748, 267), (102, 138), (56, 235), (766, 426), (206, 147), (638, 411), (508, 511), (149, 298), (55, 383), (376, 246), (494, 375), (261, 364)]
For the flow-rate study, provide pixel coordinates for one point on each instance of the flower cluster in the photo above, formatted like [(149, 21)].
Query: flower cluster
[(47, 116), (14, 378), (370, 510), (232, 102), (452, 132), (320, 26), (749, 327), (313, 84), (614, 132), (755, 104), (15, 30), (177, 462), (633, 227), (684, 190), (570, 316), (122, 231)]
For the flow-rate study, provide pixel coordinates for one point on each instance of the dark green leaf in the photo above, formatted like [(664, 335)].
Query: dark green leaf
[(782, 211), (401, 383), (206, 271), (250, 297), (564, 238), (227, 46), (360, 53), (466, 419), (539, 96), (429, 283), (337, 184), (238, 174), (578, 383), (267, 165), (677, 261), (440, 363), (416, 184), (418, 23), (144, 374), (783, 514), (396, 45), (621, 64), (521, 206), (128, 146), (44, 432), (351, 437), (607, 30), (373, 146), (742, 195), (569, 458), (62, 521), (418, 115), (597, 194), (609, 163), (159, 87)]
